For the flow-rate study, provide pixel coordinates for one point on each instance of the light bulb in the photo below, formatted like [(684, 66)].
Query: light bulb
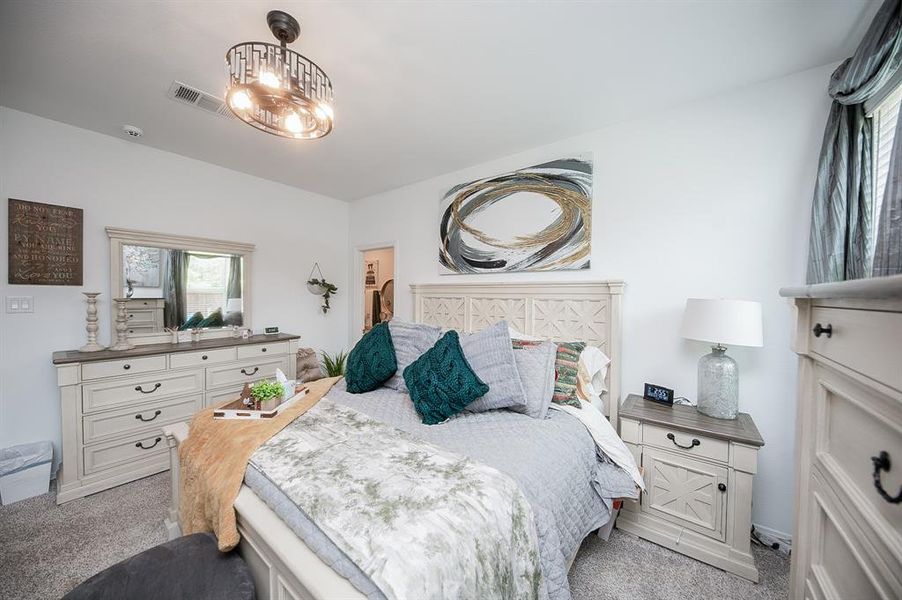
[(269, 79), (293, 123), (240, 100)]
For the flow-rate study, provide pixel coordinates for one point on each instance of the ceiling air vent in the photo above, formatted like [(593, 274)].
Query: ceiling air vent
[(186, 94)]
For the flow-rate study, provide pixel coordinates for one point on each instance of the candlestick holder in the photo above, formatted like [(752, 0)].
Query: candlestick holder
[(91, 324), (122, 342)]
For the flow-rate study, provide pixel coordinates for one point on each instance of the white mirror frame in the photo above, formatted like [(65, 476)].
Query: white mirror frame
[(133, 237)]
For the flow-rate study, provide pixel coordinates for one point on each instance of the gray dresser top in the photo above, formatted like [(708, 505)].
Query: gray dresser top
[(742, 429), (74, 356)]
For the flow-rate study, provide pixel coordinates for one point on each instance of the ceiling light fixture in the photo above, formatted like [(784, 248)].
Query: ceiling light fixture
[(277, 90)]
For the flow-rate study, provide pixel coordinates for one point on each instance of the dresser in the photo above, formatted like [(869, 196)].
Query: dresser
[(113, 404), (144, 315), (847, 541), (698, 474)]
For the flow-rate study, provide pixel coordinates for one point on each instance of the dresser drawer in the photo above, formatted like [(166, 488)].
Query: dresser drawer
[(691, 444), (230, 375), (257, 351), (141, 316), (144, 417), (142, 328), (860, 340), (146, 388), (688, 492), (842, 562), (852, 425), (108, 455), (139, 303), (220, 396), (129, 366), (201, 357)]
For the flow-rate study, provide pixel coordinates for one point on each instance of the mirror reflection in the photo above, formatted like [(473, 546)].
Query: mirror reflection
[(170, 288)]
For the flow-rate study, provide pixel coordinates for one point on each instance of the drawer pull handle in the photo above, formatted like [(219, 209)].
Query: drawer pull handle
[(204, 357), (820, 329), (156, 414), (694, 443), (882, 463), (156, 386), (251, 373), (262, 349), (126, 367), (143, 447), (722, 487)]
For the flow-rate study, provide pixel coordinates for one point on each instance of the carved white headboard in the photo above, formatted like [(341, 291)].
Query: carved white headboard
[(562, 312)]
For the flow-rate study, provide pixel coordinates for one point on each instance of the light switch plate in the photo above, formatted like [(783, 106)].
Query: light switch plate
[(20, 304)]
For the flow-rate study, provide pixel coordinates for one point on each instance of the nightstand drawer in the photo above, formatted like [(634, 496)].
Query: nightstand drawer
[(685, 442)]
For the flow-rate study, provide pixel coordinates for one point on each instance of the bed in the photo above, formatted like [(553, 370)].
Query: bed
[(291, 558)]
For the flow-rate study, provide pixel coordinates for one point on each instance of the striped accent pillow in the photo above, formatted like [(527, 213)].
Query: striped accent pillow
[(566, 368)]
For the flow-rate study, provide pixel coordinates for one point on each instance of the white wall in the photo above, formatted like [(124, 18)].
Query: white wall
[(707, 200), (122, 183)]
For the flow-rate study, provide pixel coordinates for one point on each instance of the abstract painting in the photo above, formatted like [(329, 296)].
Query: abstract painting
[(533, 219)]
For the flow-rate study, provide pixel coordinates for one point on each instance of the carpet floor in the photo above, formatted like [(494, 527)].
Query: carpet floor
[(48, 549)]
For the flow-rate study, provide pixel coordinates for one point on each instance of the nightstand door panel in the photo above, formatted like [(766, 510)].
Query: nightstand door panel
[(685, 491)]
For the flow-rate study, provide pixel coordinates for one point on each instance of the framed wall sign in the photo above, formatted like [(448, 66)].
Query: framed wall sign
[(45, 244)]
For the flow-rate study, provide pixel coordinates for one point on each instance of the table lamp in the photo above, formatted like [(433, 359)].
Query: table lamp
[(721, 322)]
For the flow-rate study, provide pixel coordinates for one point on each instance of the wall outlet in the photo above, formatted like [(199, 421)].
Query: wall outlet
[(20, 304)]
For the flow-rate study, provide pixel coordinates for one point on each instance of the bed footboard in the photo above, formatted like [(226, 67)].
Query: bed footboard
[(175, 435)]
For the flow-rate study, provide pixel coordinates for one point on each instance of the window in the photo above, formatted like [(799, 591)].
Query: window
[(885, 117), (208, 279)]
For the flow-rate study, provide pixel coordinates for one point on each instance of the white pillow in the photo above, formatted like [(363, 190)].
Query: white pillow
[(591, 373)]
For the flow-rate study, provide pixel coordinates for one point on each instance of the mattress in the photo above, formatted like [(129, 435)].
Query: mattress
[(555, 462)]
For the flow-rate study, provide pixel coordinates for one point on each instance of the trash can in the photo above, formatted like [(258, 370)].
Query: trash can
[(25, 471)]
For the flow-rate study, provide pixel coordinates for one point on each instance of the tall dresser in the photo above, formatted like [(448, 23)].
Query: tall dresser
[(848, 533), (113, 404)]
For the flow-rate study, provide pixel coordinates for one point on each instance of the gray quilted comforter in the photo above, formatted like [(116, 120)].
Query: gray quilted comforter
[(554, 461)]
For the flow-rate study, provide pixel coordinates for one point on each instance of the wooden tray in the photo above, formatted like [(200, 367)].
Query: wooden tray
[(237, 410)]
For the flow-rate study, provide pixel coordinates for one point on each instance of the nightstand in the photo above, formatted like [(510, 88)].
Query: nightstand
[(698, 474)]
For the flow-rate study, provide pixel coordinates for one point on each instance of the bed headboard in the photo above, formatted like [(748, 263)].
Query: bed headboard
[(583, 311)]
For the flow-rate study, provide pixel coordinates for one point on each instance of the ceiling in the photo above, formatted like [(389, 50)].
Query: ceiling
[(421, 88)]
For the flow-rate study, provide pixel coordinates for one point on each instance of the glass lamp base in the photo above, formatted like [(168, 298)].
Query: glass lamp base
[(718, 385)]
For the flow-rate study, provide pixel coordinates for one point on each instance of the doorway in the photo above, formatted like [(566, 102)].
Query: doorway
[(377, 282)]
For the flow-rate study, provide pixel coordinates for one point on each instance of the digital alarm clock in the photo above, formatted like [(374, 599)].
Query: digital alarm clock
[(658, 393)]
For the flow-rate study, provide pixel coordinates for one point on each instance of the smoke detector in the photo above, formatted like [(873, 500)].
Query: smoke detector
[(132, 131)]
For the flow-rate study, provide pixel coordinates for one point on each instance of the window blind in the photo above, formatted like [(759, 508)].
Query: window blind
[(885, 120)]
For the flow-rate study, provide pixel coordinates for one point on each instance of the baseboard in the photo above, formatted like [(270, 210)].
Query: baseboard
[(770, 536)]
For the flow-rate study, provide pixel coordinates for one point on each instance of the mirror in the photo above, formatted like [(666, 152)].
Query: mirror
[(178, 282)]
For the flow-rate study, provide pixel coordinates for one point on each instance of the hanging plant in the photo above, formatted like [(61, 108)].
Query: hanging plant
[(318, 286)]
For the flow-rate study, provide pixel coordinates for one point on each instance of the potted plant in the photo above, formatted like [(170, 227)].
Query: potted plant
[(318, 286), (267, 394), (334, 364)]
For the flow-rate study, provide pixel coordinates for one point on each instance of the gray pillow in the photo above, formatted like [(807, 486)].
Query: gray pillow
[(536, 367), (411, 340), (491, 357)]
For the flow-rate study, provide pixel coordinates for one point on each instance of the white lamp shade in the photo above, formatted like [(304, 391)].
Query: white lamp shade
[(727, 322)]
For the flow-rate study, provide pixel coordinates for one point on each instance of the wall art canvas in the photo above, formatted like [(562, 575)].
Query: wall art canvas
[(45, 244), (533, 219)]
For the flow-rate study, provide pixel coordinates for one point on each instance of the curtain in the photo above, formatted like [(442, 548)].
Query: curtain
[(888, 251), (234, 287), (175, 289), (841, 244)]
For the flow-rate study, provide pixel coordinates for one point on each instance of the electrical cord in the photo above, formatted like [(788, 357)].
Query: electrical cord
[(682, 400)]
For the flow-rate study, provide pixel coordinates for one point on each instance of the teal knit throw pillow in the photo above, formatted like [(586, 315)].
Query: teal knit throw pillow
[(441, 382), (372, 361)]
